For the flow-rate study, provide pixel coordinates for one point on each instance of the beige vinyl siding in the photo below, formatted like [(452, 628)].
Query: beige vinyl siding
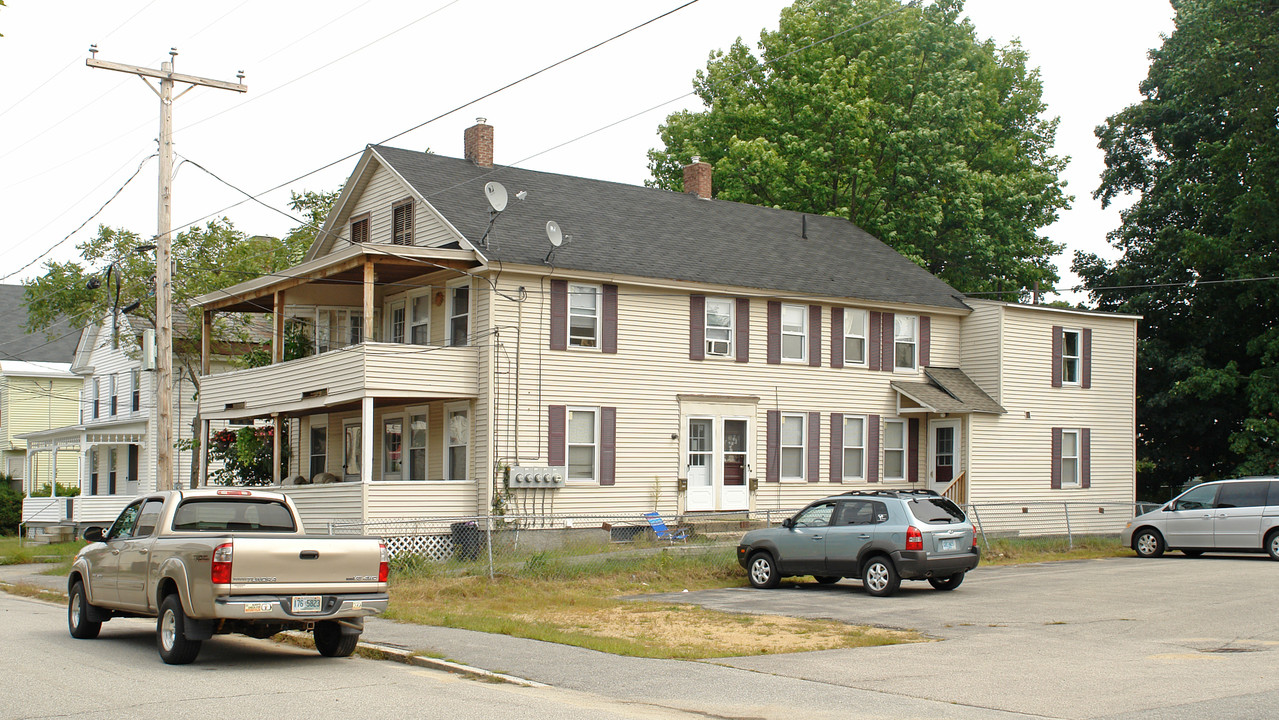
[(981, 344), (643, 380), (40, 403), (944, 340), (382, 190), (320, 505), (1012, 461)]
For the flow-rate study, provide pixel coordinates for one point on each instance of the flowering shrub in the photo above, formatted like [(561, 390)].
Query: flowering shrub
[(245, 455)]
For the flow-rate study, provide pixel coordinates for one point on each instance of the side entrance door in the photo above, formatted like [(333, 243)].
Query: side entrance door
[(700, 464), (716, 463), (943, 453)]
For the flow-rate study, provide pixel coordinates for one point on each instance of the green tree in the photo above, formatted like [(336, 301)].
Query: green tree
[(904, 123), (1201, 153)]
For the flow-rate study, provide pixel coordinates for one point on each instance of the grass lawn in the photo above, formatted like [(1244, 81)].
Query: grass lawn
[(16, 552), (1016, 551)]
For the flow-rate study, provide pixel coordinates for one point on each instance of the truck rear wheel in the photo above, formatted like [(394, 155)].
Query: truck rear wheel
[(170, 633), (331, 641)]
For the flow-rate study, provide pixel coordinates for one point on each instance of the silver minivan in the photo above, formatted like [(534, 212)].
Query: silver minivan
[(1226, 515)]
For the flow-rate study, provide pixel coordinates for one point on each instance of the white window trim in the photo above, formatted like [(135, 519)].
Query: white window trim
[(450, 408), (409, 412), (386, 460), (1061, 461), (316, 421), (803, 447), (448, 309), (388, 312), (732, 328), (1079, 359), (347, 424), (803, 334), (135, 387), (595, 470), (113, 399), (903, 449), (915, 343), (850, 313), (582, 288), (861, 471)]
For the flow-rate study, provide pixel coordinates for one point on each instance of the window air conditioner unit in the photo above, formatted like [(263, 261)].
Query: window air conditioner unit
[(716, 347)]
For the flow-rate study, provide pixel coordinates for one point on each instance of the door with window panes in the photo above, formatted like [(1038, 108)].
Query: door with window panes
[(716, 464)]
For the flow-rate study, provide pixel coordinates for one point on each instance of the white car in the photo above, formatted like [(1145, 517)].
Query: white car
[(1226, 516)]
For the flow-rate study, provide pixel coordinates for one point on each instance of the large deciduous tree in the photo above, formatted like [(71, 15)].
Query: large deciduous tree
[(904, 122), (1200, 246)]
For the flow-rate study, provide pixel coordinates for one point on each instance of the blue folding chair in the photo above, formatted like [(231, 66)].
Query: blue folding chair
[(661, 531)]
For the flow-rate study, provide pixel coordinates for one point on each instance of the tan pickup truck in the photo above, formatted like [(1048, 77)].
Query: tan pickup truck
[(206, 562)]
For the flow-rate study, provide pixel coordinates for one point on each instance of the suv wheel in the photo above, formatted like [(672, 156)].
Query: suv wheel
[(947, 583), (1148, 543), (879, 577), (763, 571)]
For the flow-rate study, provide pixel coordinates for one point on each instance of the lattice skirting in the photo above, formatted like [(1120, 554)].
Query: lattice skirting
[(434, 547)]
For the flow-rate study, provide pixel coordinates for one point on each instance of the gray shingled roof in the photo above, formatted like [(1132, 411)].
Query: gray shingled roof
[(17, 344), (630, 230), (949, 390)]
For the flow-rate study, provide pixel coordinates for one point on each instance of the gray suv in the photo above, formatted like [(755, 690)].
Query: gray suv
[(1227, 516), (878, 536)]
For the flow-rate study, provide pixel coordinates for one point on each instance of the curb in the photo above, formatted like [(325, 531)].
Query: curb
[(399, 654)]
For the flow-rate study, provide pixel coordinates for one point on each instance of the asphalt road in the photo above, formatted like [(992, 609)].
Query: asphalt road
[(1173, 637)]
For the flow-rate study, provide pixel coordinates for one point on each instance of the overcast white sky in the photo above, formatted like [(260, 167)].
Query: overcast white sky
[(326, 78)]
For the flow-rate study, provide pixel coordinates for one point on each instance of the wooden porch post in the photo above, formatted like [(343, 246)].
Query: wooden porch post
[(206, 337), (366, 440), (203, 477), (368, 300), (277, 334), (277, 425)]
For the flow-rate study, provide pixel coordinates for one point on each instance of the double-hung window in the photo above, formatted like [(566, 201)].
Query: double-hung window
[(582, 441), (459, 314), (1070, 357), (457, 437), (894, 450), (719, 327), (135, 385), (115, 398), (583, 315), (854, 337), (854, 447), (420, 320), (97, 398), (417, 446), (392, 448), (1070, 458), (794, 332), (793, 446), (319, 450), (905, 341)]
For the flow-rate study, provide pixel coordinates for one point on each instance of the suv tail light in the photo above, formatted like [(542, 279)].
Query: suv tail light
[(974, 536), (914, 538), (221, 572), (384, 566)]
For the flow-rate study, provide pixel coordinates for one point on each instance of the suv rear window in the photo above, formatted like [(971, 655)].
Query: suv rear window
[(224, 515), (934, 510)]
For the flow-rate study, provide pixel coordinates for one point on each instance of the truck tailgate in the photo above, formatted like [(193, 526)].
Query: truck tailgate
[(320, 564)]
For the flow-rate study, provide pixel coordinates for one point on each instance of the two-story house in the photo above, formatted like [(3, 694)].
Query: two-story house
[(37, 392), (657, 350)]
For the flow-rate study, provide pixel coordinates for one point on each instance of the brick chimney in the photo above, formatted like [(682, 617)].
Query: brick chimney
[(478, 143), (697, 178)]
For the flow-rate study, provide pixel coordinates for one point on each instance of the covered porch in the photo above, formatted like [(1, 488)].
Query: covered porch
[(110, 470)]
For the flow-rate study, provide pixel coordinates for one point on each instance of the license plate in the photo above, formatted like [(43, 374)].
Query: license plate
[(306, 603), (948, 545)]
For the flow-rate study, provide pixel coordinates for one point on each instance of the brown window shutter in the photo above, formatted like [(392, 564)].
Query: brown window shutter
[(402, 224), (1058, 339), (1085, 379), (912, 450), (925, 340), (837, 447), (873, 340), (360, 230), (556, 416), (559, 314), (837, 337), (696, 327), (608, 343), (1085, 458), (814, 446), (1055, 479), (774, 332), (608, 446), (872, 449), (815, 335), (743, 330), (772, 459), (887, 335)]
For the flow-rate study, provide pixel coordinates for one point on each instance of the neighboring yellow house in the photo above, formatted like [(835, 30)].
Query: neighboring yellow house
[(647, 349), (37, 392)]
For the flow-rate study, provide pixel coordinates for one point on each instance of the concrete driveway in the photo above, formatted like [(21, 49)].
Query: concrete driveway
[(1122, 637)]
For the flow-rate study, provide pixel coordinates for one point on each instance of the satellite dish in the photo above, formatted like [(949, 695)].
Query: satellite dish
[(554, 233), (496, 195)]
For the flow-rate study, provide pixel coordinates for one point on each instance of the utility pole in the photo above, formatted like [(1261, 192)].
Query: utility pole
[(163, 256)]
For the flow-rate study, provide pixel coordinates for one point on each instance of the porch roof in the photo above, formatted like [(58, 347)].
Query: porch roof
[(949, 390), (114, 432), (342, 267)]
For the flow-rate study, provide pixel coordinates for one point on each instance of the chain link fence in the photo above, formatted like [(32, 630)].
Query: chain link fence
[(579, 545)]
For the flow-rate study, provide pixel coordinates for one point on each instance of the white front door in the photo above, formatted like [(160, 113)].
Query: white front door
[(352, 447), (700, 464), (943, 453)]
